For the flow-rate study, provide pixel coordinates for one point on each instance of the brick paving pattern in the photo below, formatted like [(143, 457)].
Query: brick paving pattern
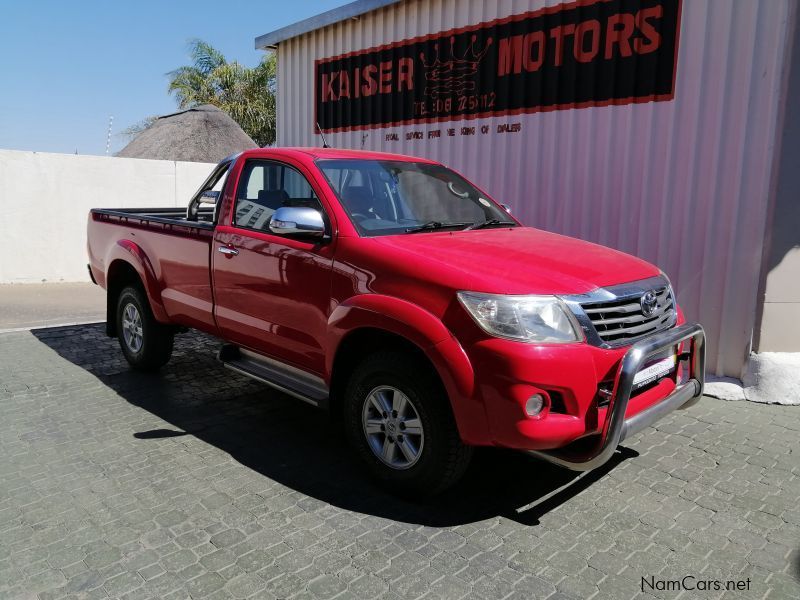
[(198, 483)]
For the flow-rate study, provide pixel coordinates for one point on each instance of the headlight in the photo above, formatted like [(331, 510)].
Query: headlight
[(525, 318)]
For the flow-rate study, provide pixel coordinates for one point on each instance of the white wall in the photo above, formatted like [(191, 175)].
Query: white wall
[(45, 201)]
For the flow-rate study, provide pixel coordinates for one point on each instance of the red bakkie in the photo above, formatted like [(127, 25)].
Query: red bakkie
[(395, 293)]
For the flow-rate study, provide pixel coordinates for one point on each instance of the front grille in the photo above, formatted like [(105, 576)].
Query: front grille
[(622, 320)]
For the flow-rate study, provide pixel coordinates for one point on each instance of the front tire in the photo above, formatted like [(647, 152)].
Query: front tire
[(146, 343), (398, 419)]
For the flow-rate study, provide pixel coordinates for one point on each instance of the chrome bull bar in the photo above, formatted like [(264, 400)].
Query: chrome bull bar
[(616, 427)]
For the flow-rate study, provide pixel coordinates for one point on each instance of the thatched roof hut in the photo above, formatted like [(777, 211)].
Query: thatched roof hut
[(200, 134)]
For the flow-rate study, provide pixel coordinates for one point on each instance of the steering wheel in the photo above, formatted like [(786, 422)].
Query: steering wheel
[(362, 216)]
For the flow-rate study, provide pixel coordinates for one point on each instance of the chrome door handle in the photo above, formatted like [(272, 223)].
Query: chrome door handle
[(228, 251)]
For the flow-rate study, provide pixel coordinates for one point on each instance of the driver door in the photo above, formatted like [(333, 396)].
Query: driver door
[(272, 292)]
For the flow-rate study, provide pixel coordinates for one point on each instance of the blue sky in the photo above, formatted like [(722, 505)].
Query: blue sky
[(67, 66)]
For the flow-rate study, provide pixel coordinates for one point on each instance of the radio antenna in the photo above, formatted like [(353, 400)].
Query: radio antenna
[(108, 137), (324, 142)]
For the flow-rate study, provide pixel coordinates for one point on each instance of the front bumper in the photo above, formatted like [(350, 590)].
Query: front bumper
[(616, 427)]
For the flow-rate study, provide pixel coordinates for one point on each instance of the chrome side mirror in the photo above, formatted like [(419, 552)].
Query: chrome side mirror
[(208, 197), (297, 221), (506, 208)]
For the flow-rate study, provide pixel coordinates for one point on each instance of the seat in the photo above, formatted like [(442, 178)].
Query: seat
[(359, 202), (273, 199)]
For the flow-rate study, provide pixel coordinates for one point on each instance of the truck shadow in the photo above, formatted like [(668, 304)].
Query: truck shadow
[(300, 447)]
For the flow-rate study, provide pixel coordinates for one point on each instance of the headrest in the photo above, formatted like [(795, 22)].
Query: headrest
[(273, 199)]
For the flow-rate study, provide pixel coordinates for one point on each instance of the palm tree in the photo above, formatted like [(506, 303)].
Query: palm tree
[(246, 94)]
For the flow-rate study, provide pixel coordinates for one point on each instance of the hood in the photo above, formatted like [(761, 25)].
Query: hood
[(520, 260)]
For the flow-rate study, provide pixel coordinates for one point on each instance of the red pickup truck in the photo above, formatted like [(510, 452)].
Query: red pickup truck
[(396, 294)]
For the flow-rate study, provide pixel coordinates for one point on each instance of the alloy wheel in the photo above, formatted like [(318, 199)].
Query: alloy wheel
[(392, 427), (132, 331)]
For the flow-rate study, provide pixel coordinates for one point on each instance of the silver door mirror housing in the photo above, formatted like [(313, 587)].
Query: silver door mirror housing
[(506, 208), (297, 221)]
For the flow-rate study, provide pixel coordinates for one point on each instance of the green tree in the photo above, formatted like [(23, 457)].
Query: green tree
[(246, 94)]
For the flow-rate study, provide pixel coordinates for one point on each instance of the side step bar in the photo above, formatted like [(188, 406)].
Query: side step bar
[(290, 380), (616, 427)]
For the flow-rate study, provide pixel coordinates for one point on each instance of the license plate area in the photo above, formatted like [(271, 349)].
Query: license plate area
[(656, 368)]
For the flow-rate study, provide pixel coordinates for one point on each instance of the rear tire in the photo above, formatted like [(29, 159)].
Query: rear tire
[(415, 451), (146, 343)]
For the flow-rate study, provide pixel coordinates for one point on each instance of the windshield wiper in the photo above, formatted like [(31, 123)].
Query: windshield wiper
[(489, 223), (433, 226)]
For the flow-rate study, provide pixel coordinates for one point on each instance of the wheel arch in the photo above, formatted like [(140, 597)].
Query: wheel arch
[(129, 265), (358, 343), (371, 321)]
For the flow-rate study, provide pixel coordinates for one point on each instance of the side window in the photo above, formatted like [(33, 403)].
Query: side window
[(266, 186)]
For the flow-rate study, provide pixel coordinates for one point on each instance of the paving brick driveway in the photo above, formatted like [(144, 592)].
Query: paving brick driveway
[(199, 483)]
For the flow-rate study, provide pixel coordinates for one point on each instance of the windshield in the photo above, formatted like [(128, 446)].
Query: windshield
[(384, 197)]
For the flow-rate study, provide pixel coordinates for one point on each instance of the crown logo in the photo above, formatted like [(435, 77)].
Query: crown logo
[(450, 73)]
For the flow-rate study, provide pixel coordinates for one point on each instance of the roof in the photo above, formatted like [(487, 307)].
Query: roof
[(335, 153), (200, 134), (348, 11)]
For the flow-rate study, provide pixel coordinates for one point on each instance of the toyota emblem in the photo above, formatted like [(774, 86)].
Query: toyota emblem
[(649, 303)]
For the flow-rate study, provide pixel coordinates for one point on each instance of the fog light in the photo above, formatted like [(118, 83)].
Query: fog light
[(534, 405)]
